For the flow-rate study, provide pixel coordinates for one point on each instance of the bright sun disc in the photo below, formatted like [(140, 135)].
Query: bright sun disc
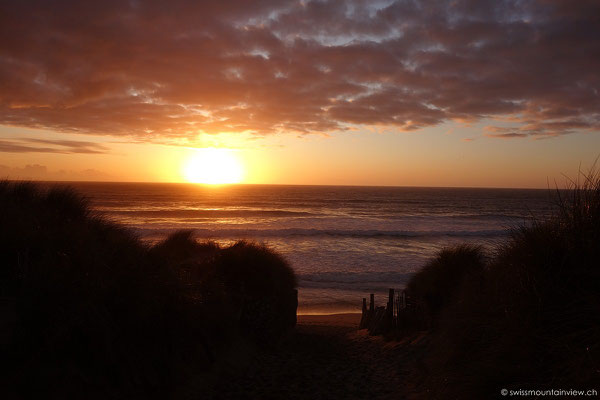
[(213, 166)]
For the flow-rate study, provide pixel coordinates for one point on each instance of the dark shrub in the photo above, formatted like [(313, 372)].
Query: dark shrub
[(262, 285), (181, 247), (89, 311), (437, 285), (532, 321), (93, 313), (249, 282)]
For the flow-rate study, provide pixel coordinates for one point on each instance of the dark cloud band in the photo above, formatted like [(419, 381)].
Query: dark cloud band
[(33, 145)]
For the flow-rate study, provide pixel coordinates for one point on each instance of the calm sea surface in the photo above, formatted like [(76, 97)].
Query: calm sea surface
[(343, 242)]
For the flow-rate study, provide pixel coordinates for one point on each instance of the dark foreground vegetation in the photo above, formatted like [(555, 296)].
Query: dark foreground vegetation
[(528, 317), (89, 311)]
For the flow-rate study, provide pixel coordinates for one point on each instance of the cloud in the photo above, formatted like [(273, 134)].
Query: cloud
[(35, 145), (507, 135), (34, 171), (41, 172), (155, 71)]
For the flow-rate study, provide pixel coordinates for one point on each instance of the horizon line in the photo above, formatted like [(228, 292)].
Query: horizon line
[(287, 184)]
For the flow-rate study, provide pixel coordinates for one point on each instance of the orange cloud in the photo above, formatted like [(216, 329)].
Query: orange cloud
[(151, 70)]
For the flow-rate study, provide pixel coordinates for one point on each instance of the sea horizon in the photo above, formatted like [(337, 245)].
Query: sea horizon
[(218, 185)]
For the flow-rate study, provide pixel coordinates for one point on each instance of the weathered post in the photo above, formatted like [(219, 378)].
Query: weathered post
[(396, 311), (404, 299), (363, 318), (389, 311), (371, 313)]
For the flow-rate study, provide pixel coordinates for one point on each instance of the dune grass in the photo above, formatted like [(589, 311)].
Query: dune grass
[(528, 317), (90, 311), (441, 280)]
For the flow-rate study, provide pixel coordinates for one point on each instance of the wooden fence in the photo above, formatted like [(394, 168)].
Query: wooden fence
[(381, 319)]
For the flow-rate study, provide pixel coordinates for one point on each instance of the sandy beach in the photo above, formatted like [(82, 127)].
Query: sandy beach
[(325, 357)]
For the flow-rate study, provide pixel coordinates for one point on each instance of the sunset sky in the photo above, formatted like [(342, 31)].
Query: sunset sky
[(430, 93)]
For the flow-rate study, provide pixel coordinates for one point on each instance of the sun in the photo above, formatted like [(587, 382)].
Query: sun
[(213, 166)]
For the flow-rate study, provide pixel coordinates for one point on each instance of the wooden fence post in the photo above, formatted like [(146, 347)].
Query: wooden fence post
[(390, 309), (390, 304), (365, 315)]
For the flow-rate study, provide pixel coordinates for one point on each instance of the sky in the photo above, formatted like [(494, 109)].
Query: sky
[(483, 93)]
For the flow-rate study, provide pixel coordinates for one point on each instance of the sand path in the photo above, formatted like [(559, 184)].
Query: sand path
[(325, 358)]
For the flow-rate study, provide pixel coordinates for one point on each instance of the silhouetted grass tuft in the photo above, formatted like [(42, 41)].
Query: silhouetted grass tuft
[(438, 283), (527, 319), (181, 246), (262, 283), (89, 311)]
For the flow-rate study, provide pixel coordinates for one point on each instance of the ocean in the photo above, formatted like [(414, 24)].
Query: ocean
[(343, 242)]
